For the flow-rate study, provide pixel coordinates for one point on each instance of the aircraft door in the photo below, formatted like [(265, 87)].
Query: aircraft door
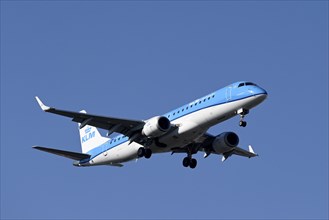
[(228, 93)]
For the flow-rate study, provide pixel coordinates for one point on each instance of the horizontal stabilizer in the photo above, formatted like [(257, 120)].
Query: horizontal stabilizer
[(63, 153)]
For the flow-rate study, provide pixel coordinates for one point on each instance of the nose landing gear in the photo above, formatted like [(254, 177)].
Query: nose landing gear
[(242, 123), (242, 112)]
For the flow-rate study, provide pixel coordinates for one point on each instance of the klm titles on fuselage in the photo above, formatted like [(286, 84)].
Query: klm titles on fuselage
[(88, 135)]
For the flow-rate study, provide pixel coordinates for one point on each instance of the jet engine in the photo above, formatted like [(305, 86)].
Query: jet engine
[(225, 142), (156, 127)]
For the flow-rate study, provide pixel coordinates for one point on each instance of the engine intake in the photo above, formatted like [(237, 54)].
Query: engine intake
[(225, 142), (156, 127)]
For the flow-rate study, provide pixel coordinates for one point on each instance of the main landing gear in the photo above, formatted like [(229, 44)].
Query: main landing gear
[(190, 162), (144, 152), (242, 112)]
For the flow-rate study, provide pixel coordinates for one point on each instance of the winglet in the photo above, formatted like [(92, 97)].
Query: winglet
[(252, 150), (42, 106)]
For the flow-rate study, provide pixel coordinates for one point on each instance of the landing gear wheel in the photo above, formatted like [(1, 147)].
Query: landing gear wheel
[(242, 112), (193, 163), (186, 162), (141, 152), (147, 153), (243, 123)]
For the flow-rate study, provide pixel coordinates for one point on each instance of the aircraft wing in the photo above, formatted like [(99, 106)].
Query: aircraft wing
[(204, 143), (242, 152), (126, 127)]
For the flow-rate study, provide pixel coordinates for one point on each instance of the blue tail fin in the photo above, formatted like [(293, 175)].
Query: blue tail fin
[(90, 137)]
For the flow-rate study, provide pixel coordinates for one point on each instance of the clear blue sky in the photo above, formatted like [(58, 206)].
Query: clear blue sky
[(141, 59)]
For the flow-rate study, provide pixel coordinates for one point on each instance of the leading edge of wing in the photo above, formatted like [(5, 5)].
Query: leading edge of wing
[(93, 120)]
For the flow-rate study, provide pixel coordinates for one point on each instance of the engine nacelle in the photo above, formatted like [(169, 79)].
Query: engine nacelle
[(225, 142), (156, 127)]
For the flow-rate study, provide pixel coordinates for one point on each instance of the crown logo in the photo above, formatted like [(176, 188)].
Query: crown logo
[(87, 130)]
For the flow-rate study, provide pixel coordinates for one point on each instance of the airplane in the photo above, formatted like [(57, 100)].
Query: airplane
[(182, 130)]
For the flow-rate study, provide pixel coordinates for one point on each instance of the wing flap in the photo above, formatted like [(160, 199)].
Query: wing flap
[(63, 153)]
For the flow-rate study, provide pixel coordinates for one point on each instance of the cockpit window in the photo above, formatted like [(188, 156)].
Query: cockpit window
[(246, 84)]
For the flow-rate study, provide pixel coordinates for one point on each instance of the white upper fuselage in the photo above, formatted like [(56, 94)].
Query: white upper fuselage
[(190, 122)]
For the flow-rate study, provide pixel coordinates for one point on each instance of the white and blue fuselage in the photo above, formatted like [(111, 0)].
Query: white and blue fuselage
[(191, 122)]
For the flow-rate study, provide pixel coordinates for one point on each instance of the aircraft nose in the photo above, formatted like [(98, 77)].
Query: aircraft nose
[(263, 94), (259, 93), (262, 91)]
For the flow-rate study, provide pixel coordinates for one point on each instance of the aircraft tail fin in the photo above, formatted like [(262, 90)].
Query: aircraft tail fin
[(90, 137)]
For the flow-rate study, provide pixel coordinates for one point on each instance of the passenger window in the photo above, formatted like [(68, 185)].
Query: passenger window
[(200, 102), (208, 98)]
